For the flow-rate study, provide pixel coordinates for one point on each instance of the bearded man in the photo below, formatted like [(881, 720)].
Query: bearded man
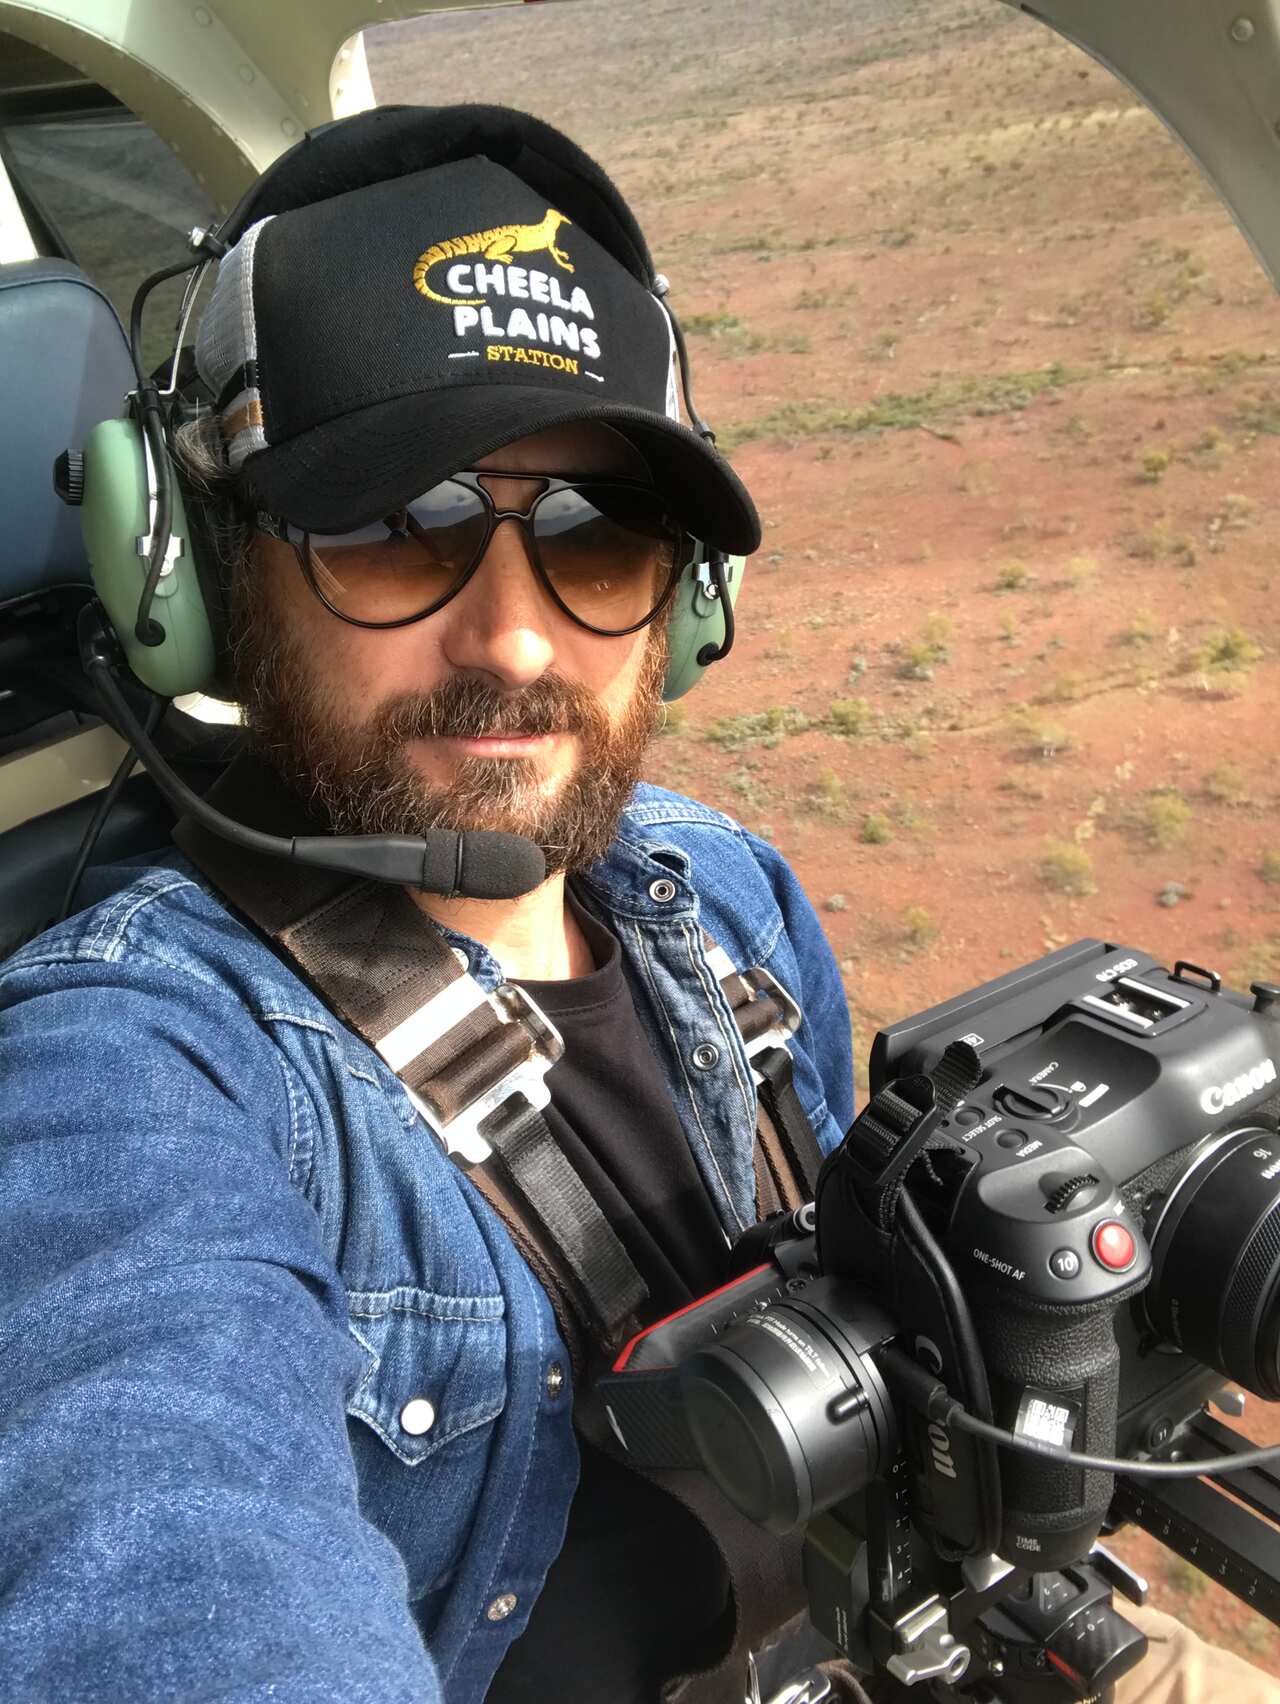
[(289, 1407), (296, 1418)]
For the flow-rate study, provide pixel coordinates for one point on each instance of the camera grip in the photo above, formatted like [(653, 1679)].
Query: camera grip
[(1066, 1360)]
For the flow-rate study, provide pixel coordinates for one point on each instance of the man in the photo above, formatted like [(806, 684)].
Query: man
[(286, 1414)]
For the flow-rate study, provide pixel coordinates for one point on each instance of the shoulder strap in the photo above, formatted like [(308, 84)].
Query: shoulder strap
[(787, 1156), (474, 1063)]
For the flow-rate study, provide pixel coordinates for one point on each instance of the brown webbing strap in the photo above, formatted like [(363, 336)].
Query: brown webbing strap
[(383, 967), (767, 1583), (778, 1188)]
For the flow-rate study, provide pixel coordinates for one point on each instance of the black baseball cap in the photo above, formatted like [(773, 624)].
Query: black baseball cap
[(368, 336)]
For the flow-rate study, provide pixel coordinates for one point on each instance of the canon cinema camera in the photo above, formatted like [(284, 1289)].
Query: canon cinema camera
[(1057, 1217)]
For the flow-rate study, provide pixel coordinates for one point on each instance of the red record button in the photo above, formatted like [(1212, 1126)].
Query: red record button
[(1113, 1246)]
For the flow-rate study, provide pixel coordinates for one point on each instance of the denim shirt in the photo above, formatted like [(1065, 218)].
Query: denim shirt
[(231, 1253)]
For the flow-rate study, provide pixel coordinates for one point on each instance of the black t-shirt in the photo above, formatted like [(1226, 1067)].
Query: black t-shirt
[(638, 1588)]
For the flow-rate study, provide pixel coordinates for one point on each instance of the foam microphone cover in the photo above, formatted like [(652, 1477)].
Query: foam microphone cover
[(498, 866), (478, 865)]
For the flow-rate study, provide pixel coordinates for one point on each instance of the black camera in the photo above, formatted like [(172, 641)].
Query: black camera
[(1057, 1218)]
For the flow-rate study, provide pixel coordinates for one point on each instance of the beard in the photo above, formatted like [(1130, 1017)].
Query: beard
[(359, 778)]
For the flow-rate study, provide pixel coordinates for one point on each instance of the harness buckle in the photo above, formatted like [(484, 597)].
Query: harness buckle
[(461, 1135), (780, 1033)]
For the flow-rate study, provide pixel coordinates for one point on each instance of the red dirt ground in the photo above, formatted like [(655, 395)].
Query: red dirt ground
[(1002, 377)]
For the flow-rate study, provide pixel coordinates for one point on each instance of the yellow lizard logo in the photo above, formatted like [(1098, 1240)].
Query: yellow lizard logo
[(498, 244)]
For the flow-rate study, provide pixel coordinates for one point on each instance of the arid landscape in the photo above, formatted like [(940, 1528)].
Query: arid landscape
[(1004, 380)]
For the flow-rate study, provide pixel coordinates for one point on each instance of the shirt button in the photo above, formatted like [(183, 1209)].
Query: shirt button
[(555, 1379), (706, 1055), (417, 1416), (663, 891), (501, 1607)]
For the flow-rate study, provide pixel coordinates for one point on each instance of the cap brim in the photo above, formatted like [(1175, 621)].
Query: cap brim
[(350, 471)]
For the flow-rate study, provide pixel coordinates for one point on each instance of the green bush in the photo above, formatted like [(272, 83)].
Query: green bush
[(1225, 785), (1155, 464), (876, 829), (767, 727), (1229, 650), (828, 798), (1012, 577), (849, 716), (1165, 816), (1037, 736), (1142, 629), (919, 926), (1067, 868)]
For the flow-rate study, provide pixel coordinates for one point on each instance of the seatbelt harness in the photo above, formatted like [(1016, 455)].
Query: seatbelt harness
[(474, 1064)]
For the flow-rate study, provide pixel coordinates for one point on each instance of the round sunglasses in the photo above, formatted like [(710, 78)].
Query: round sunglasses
[(605, 549)]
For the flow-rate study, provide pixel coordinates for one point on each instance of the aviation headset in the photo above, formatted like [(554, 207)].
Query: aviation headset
[(153, 569), (156, 572)]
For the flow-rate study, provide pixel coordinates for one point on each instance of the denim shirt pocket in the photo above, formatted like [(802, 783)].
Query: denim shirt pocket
[(435, 1367)]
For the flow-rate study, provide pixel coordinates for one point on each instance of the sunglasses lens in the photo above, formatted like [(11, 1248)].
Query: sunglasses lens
[(609, 553), (403, 566)]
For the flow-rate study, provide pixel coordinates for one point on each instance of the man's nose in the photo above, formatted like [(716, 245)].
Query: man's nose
[(500, 623)]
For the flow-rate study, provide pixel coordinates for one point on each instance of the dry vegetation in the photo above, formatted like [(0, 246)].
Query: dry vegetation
[(1005, 382)]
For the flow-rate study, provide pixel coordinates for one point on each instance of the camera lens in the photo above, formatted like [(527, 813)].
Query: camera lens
[(788, 1408), (1215, 1245)]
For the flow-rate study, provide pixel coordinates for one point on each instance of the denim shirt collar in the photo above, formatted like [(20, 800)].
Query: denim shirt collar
[(621, 883)]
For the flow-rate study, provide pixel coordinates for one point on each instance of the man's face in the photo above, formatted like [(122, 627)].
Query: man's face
[(496, 712)]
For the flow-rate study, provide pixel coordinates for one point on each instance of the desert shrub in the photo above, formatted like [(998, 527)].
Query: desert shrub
[(1037, 736), (726, 329), (1067, 868), (1080, 571), (1012, 577), (765, 727), (919, 927), (1153, 312), (876, 830), (1230, 650), (935, 631), (828, 798), (1144, 627), (919, 658), (849, 716), (1165, 816), (1161, 545), (1067, 688), (1155, 464), (1269, 868), (1225, 785)]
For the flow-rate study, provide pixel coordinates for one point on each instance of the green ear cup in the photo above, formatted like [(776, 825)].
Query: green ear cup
[(114, 517), (696, 621)]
